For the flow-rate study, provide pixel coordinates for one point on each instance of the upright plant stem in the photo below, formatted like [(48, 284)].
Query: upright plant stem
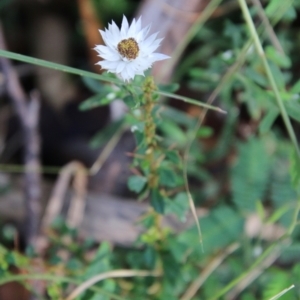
[(270, 76)]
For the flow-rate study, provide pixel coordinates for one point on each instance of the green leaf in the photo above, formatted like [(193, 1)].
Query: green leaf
[(234, 32), (157, 201), (136, 125), (268, 120), (205, 132), (296, 88), (250, 174), (260, 211), (278, 7), (179, 206), (279, 59), (101, 261), (150, 257), (295, 169), (221, 227), (280, 79), (171, 88), (95, 101), (256, 77), (130, 101), (278, 281), (173, 131), (293, 109), (94, 85), (180, 117), (173, 156), (171, 267), (291, 254), (255, 97), (137, 183), (168, 178)]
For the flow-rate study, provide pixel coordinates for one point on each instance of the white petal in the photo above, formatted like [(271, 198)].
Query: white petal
[(121, 66), (124, 75), (115, 30), (111, 56), (113, 37), (104, 37), (124, 27), (132, 29), (150, 40), (109, 65), (159, 56), (139, 24), (104, 50), (150, 49), (144, 63), (146, 31), (142, 34), (130, 69)]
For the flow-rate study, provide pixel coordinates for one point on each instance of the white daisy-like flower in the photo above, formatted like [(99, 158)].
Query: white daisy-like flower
[(128, 51)]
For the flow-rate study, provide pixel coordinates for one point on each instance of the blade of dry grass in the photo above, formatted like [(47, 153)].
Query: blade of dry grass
[(110, 274)]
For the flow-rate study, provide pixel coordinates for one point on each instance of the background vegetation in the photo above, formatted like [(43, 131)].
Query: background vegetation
[(240, 169)]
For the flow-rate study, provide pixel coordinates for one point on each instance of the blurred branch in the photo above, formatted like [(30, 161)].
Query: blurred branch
[(76, 210), (28, 113), (56, 200), (91, 25), (111, 274)]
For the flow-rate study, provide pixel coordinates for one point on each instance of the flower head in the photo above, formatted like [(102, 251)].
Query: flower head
[(128, 51)]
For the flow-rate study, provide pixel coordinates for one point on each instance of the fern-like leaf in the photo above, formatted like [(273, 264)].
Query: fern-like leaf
[(249, 176)]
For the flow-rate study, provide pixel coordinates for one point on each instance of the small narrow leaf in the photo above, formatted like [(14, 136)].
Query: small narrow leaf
[(171, 88), (267, 121), (295, 169), (157, 201), (205, 132), (279, 59), (136, 183), (95, 101)]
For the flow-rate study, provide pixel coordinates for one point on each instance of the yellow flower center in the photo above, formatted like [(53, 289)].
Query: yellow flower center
[(129, 48)]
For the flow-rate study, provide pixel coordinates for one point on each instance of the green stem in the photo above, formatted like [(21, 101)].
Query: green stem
[(150, 131), (59, 67), (191, 101), (12, 168), (294, 220), (270, 76), (55, 66)]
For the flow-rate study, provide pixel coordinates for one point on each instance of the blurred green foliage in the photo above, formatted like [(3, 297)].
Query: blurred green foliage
[(251, 169)]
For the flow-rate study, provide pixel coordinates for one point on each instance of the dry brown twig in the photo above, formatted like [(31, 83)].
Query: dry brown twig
[(76, 210), (28, 113)]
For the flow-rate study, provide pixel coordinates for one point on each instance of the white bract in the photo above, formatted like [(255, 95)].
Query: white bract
[(128, 51)]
